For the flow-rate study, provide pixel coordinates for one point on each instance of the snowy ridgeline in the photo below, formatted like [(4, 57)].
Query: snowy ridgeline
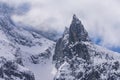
[(24, 54), (27, 51)]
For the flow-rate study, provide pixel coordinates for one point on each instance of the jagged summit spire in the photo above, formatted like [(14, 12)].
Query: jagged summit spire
[(77, 31), (75, 19)]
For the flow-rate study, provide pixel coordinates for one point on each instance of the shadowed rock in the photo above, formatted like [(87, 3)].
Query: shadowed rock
[(77, 31), (70, 45)]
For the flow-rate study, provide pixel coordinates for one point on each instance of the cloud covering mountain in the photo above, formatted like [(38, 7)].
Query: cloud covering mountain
[(100, 17)]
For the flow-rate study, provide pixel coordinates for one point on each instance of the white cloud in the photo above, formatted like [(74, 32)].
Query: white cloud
[(100, 17)]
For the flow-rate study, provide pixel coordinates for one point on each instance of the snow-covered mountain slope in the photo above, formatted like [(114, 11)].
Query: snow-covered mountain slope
[(29, 55), (22, 52), (11, 67), (77, 58)]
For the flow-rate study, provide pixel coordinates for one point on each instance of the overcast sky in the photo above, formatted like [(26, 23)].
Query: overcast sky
[(100, 17)]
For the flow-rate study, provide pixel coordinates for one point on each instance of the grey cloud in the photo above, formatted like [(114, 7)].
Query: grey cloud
[(100, 17)]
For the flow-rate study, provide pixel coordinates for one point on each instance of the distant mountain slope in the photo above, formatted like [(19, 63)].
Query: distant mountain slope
[(20, 47)]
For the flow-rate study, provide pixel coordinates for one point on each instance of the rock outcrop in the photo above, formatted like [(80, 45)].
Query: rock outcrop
[(70, 44), (77, 58)]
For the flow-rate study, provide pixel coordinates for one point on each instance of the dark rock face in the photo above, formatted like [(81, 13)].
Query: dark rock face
[(77, 58), (80, 50), (10, 70), (60, 47), (37, 59), (70, 44), (77, 31)]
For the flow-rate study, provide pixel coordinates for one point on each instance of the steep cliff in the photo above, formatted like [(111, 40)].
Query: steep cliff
[(77, 58)]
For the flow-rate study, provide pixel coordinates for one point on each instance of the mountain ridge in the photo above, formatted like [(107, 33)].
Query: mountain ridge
[(29, 55), (18, 47), (81, 59)]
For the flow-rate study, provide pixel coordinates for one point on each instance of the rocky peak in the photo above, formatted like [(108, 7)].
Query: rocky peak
[(77, 31), (75, 19), (71, 45), (80, 59)]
